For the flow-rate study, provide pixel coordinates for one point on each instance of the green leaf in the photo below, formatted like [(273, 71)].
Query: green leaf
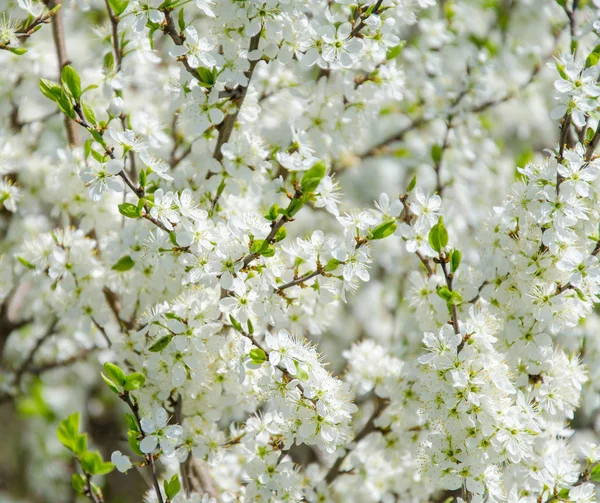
[(262, 247), (134, 442), (123, 264), (272, 213), (595, 473), (54, 92), (112, 386), (115, 374), (49, 89), (332, 265), (412, 184), (109, 61), (118, 6), (134, 381), (593, 57), (383, 230), (250, 327), (142, 178), (172, 487), (436, 153), (236, 324), (98, 137), (92, 463), (281, 234), (68, 430), (312, 178), (181, 20), (394, 52), (455, 260), (129, 210), (295, 206), (561, 71), (444, 293), (26, 263), (455, 299), (208, 77), (438, 236), (258, 356), (33, 404), (257, 245), (78, 482), (131, 422), (160, 344), (72, 81), (89, 88), (88, 113), (19, 51)]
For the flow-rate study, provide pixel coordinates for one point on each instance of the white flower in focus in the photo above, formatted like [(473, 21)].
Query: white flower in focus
[(103, 177)]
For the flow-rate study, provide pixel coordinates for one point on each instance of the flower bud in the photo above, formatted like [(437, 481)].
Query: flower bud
[(116, 107)]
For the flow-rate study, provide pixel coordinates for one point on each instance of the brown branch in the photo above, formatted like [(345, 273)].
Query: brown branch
[(22, 369), (369, 427), (58, 34), (275, 226), (301, 279), (226, 127), (126, 397)]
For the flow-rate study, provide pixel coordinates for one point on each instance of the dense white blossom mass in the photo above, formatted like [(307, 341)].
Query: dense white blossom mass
[(300, 251)]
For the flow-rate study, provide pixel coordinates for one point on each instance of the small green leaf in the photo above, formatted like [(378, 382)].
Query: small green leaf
[(394, 52), (78, 482), (455, 260), (436, 153), (272, 213), (109, 61), (332, 265), (26, 263), (262, 247), (258, 356), (49, 89), (181, 20), (112, 386), (131, 422), (129, 210), (250, 327), (208, 77), (295, 206), (115, 374), (412, 184), (88, 113), (67, 431), (281, 234), (236, 324), (134, 442), (312, 178), (593, 58), (92, 463), (118, 6), (438, 236), (595, 473), (123, 264), (134, 381), (142, 179), (160, 344), (455, 299), (383, 230), (19, 51), (444, 293), (172, 487), (72, 81)]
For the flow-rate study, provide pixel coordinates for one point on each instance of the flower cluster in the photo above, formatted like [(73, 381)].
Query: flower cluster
[(301, 251)]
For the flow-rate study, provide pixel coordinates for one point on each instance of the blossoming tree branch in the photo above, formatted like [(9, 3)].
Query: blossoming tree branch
[(300, 251)]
